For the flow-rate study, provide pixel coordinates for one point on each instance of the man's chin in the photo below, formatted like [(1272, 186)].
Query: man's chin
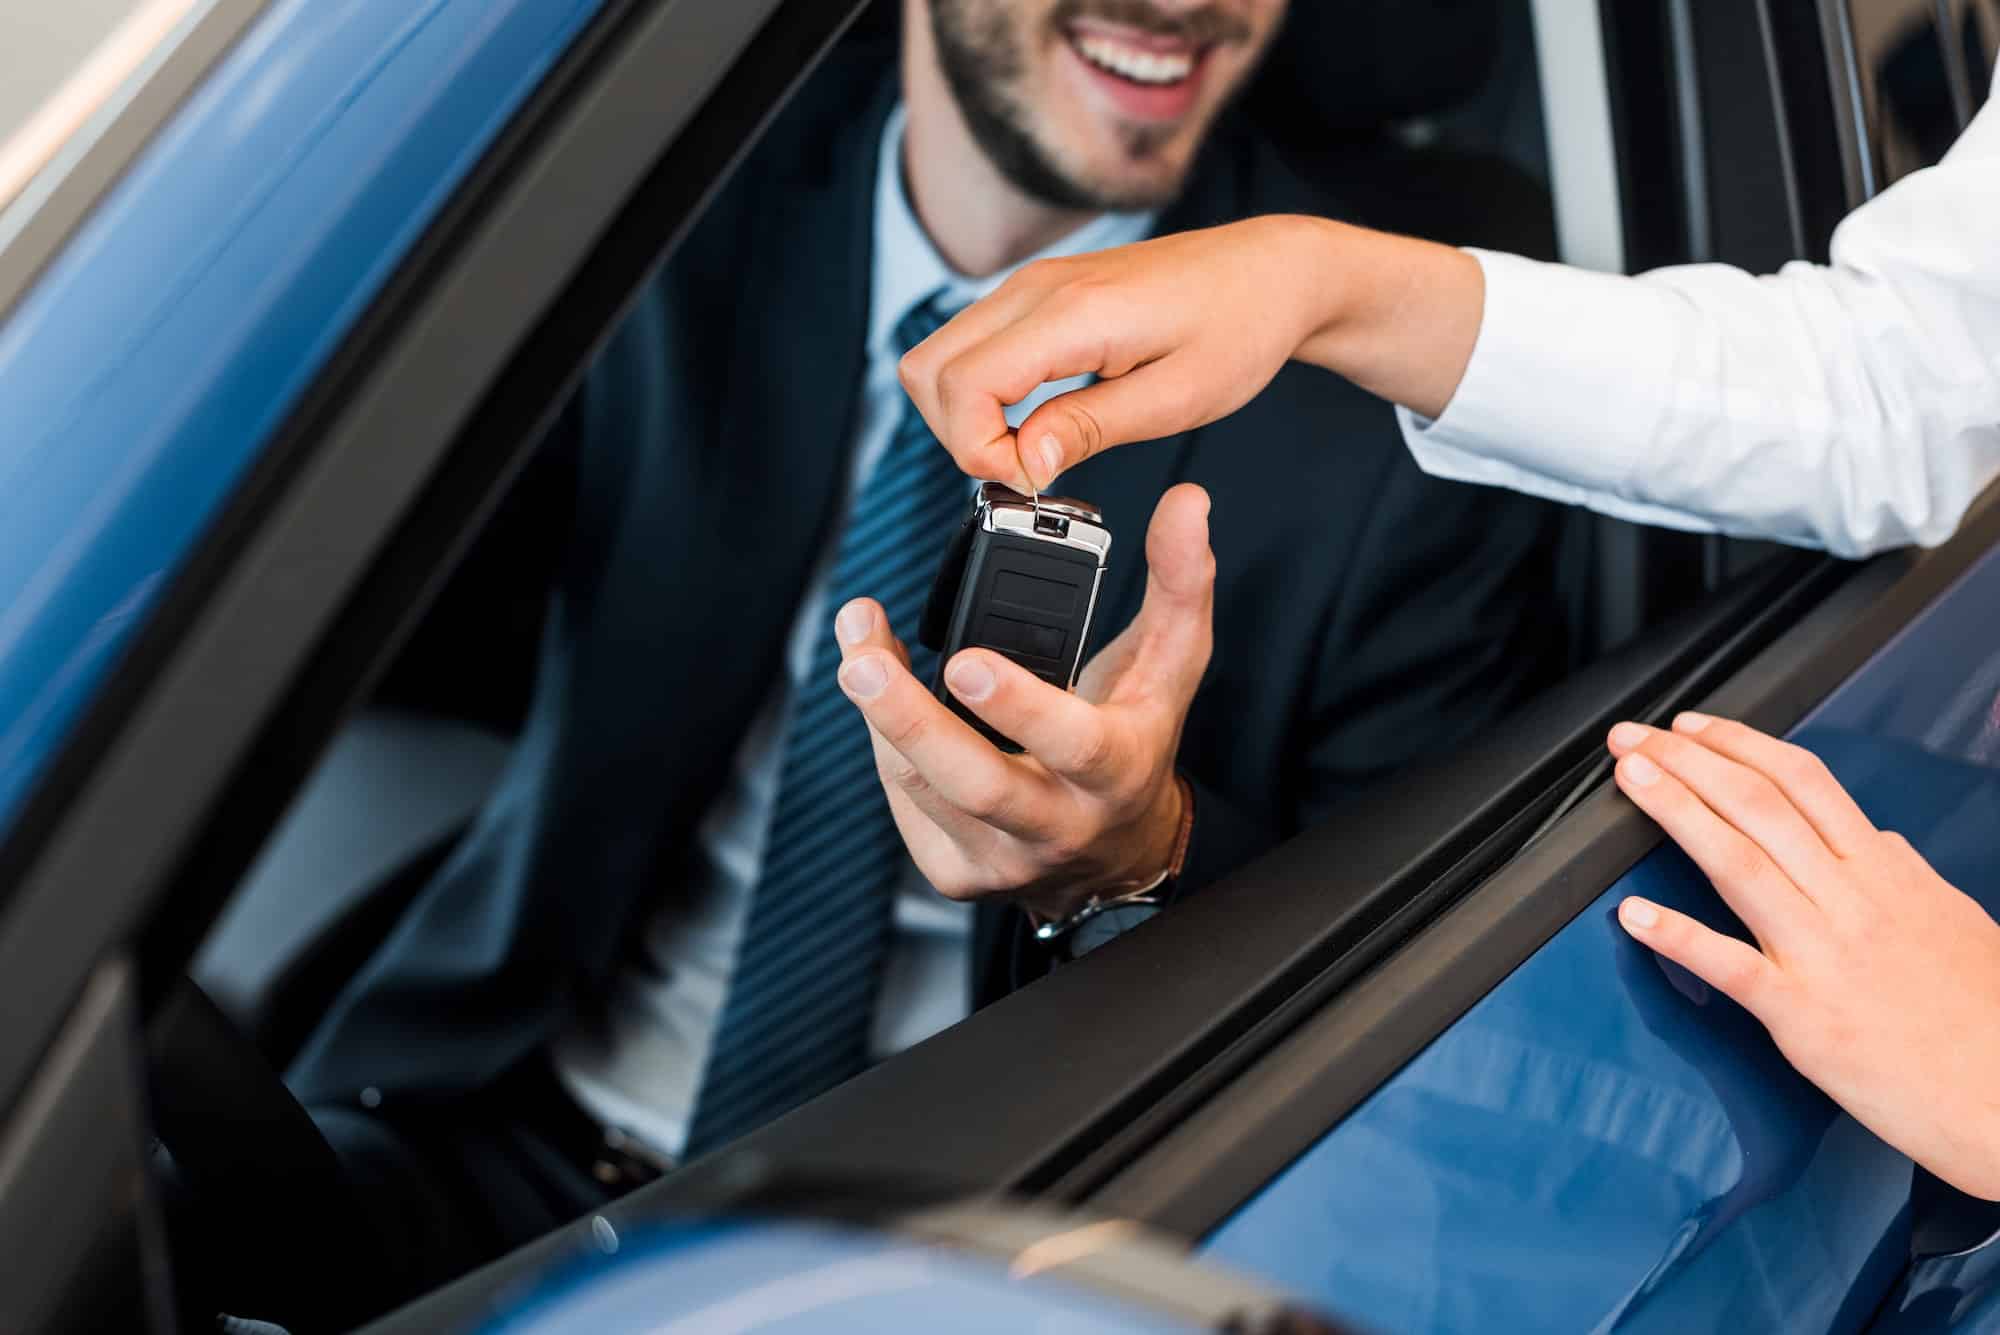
[(1123, 190), (1138, 199), (1138, 166), (1113, 166)]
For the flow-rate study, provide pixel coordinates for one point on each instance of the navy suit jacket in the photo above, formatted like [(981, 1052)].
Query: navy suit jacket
[(1365, 615)]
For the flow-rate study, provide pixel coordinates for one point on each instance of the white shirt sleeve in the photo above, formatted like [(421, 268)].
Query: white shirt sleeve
[(1854, 407)]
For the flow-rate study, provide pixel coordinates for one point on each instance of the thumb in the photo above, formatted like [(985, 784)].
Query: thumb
[(1144, 404), (1175, 625)]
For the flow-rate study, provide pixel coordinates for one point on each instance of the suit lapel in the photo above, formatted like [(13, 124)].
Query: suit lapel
[(778, 455)]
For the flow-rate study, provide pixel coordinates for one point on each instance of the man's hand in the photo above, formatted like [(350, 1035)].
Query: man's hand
[(1878, 980), (1092, 805), (1184, 329)]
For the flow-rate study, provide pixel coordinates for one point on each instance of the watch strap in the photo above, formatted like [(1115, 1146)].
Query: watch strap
[(1152, 894)]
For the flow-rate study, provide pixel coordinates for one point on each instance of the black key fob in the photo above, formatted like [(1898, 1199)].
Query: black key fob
[(1020, 579)]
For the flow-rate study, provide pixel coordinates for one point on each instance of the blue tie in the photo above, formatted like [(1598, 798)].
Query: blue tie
[(801, 1000)]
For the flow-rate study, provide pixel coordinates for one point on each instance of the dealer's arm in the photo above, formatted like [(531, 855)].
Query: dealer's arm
[(1853, 406)]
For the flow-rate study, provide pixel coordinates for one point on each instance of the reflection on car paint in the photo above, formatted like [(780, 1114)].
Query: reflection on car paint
[(1601, 1143), (1960, 1292), (773, 1277)]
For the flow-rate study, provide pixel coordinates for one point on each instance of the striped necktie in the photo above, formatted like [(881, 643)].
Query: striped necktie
[(801, 1000)]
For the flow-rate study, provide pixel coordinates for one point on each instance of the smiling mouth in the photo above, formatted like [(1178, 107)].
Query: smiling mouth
[(1148, 66)]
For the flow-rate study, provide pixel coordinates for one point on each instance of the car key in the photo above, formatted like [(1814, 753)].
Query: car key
[(1020, 578)]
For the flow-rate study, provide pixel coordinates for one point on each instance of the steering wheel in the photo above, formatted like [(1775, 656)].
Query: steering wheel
[(255, 1198)]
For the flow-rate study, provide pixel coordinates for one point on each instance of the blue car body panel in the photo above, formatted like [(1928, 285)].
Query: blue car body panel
[(1601, 1143), (782, 1277), (147, 369)]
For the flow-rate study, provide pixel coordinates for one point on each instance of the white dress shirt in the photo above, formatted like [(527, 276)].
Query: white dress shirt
[(640, 1069), (1854, 406)]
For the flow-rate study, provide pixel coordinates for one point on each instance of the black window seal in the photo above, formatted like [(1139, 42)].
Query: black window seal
[(52, 220), (1221, 1154), (647, 111)]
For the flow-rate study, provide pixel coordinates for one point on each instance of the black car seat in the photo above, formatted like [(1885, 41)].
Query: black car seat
[(1426, 116), (382, 810), (397, 788)]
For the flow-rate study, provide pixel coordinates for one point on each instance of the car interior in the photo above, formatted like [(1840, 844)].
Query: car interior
[(1414, 130), (1419, 110)]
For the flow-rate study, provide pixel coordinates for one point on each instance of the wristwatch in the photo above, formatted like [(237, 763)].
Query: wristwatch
[(1104, 916)]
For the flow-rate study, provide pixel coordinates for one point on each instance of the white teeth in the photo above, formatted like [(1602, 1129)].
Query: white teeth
[(1131, 63)]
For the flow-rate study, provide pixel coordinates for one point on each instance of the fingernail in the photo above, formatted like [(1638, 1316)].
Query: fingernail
[(854, 623), (1638, 769), (1628, 735), (864, 677), (1052, 459), (970, 679), (1640, 914), (1691, 723)]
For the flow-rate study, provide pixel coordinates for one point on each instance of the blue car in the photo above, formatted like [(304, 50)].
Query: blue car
[(289, 292)]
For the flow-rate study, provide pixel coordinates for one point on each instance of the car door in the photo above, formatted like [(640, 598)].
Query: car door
[(265, 317)]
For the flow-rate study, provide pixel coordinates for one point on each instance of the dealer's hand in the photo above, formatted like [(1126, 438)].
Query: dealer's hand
[(1184, 329), (1093, 804), (1876, 978)]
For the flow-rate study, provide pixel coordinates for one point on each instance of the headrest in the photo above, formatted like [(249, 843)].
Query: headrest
[(1344, 66), (1347, 66)]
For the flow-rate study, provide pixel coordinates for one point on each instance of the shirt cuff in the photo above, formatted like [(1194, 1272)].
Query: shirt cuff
[(1567, 389)]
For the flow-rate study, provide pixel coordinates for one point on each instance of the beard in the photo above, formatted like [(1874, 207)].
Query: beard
[(981, 54)]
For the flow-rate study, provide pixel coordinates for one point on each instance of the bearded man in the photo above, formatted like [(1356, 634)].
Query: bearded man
[(741, 850)]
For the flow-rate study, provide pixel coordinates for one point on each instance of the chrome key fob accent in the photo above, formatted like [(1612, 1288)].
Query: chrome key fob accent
[(1021, 579)]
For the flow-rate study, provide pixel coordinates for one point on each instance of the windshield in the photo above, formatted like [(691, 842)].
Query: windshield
[(65, 68)]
